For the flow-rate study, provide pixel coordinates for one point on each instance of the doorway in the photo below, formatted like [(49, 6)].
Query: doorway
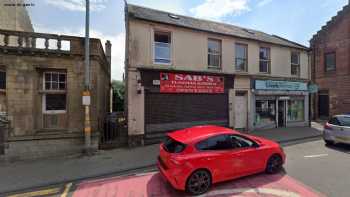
[(241, 110), (282, 113), (323, 106)]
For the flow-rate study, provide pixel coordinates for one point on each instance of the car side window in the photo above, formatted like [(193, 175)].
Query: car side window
[(220, 142), (241, 142), (334, 121), (344, 121)]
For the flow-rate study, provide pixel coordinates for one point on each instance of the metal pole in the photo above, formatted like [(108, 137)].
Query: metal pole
[(86, 94)]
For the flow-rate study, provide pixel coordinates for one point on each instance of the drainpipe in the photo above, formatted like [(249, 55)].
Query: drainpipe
[(86, 93)]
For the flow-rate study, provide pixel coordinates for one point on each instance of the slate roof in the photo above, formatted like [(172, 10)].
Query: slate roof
[(330, 23), (153, 15)]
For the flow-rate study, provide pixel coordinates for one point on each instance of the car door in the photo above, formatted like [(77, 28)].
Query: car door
[(245, 155), (342, 130), (214, 153)]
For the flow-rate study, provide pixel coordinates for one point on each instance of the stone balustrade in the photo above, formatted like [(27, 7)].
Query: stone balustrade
[(34, 41)]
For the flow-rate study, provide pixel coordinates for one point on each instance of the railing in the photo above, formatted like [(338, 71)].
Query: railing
[(34, 41), (114, 132)]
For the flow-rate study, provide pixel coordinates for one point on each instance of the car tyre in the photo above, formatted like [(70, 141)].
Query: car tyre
[(198, 182), (274, 164)]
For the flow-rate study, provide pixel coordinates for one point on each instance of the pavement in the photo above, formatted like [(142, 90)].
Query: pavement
[(29, 174)]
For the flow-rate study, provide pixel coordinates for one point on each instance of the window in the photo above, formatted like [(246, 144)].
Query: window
[(296, 110), (214, 53), (172, 146), (162, 47), (54, 97), (241, 57), (220, 142), (265, 112), (334, 121), (55, 81), (295, 63), (2, 80), (344, 121), (330, 61), (265, 61), (241, 142)]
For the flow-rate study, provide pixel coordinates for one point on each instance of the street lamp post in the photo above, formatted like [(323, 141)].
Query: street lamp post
[(86, 93)]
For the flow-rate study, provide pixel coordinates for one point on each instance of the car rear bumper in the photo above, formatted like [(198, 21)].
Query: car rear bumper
[(171, 176)]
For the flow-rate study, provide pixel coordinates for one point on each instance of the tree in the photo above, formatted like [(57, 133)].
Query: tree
[(118, 95)]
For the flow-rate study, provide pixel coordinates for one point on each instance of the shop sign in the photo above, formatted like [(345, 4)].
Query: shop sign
[(189, 83), (280, 85), (313, 88)]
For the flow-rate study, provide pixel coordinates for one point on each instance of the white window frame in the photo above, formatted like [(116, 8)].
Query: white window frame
[(268, 60), (54, 92), (219, 67), (293, 64), (154, 47), (246, 57)]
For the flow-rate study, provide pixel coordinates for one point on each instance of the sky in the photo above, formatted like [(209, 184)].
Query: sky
[(296, 20)]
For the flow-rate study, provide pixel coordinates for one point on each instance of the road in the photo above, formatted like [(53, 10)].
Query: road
[(312, 169)]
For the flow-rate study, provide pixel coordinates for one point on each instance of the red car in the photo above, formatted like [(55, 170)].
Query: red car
[(192, 159)]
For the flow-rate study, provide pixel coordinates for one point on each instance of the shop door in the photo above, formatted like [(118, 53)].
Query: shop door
[(281, 113), (323, 106), (241, 111)]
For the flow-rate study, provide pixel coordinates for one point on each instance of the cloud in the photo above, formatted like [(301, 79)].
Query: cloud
[(214, 9), (264, 2), (117, 41), (78, 5)]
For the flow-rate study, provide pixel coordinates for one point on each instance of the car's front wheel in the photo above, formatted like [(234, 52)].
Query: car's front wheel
[(274, 164), (199, 182)]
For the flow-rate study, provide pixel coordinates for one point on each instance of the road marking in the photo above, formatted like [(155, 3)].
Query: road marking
[(37, 193), (265, 191), (313, 156), (66, 190)]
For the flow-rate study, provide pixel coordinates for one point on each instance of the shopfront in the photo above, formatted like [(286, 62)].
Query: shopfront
[(280, 104), (176, 100)]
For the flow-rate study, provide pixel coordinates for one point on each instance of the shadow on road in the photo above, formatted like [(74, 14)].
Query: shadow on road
[(158, 186), (345, 148)]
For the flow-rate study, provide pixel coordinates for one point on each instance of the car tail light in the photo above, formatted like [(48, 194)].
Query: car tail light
[(327, 126)]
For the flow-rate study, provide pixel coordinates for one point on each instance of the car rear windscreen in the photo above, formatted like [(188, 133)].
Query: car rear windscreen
[(172, 146)]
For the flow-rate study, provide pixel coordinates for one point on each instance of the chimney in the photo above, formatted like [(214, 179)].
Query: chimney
[(108, 47)]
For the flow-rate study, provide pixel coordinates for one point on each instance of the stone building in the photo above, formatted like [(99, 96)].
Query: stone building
[(14, 17), (182, 71), (331, 66), (42, 80)]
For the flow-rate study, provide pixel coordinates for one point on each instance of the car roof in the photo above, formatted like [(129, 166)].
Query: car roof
[(199, 132)]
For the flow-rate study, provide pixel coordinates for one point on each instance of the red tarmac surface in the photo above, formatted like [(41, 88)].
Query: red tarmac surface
[(152, 184)]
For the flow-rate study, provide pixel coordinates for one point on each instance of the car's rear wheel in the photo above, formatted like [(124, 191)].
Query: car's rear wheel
[(274, 164), (199, 182)]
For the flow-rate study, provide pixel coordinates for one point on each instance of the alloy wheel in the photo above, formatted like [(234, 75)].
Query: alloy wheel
[(199, 182), (274, 164)]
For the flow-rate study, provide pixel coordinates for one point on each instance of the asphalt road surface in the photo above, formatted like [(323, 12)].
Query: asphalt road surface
[(312, 169)]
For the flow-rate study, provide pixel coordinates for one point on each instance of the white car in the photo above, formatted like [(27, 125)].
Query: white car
[(337, 130)]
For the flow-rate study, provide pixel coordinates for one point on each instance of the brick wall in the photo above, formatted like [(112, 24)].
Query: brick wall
[(334, 37)]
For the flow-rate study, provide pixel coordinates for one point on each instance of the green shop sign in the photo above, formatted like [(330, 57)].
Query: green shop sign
[(280, 85)]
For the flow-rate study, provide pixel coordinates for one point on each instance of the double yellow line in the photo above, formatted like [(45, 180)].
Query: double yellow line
[(45, 192)]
